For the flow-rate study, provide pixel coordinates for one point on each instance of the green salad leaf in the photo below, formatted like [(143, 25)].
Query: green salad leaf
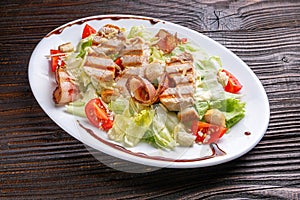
[(131, 121), (83, 44), (140, 31), (161, 132)]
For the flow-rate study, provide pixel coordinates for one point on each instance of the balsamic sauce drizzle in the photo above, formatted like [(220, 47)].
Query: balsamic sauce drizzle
[(247, 133), (79, 22), (216, 151)]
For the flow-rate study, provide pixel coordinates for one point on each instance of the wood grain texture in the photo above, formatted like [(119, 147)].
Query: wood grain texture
[(38, 160)]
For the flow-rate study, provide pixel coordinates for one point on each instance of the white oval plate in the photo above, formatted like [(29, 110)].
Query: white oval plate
[(234, 144)]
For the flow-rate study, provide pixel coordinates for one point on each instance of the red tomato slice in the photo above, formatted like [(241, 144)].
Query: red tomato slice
[(118, 61), (87, 31), (55, 60), (233, 85), (98, 114), (183, 40), (207, 133)]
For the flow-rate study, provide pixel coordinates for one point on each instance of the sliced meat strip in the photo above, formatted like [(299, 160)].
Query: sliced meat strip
[(124, 76), (136, 48), (99, 74), (179, 79), (178, 98), (166, 41), (110, 47), (180, 93), (179, 68), (66, 91), (109, 40), (99, 62), (132, 60), (135, 53), (141, 90), (100, 66)]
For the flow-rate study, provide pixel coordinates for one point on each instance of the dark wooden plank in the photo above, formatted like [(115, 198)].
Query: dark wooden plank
[(38, 160)]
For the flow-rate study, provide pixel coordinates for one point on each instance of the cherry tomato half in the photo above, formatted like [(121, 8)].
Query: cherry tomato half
[(233, 85), (56, 61), (98, 114), (118, 61), (207, 133), (87, 31)]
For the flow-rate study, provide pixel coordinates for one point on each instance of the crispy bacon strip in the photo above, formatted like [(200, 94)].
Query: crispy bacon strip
[(143, 91), (167, 42)]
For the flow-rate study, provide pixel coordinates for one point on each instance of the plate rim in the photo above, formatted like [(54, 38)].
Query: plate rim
[(146, 161)]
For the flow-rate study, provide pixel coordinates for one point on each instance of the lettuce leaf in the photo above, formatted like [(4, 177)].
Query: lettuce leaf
[(212, 63), (119, 105), (162, 129), (201, 108), (140, 31), (118, 131), (137, 127), (187, 47), (233, 109), (83, 44), (156, 55), (131, 129)]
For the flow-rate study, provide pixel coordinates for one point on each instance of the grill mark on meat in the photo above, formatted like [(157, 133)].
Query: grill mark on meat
[(99, 62), (132, 60), (109, 40), (176, 103), (101, 74), (135, 53), (180, 93), (179, 67), (100, 66), (179, 79), (110, 47)]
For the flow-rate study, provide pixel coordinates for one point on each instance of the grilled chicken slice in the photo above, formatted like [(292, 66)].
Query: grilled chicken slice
[(109, 39), (180, 93), (134, 58), (177, 98), (66, 91), (100, 66), (135, 53)]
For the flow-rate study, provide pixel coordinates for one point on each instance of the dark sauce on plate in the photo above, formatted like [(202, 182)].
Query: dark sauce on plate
[(114, 18), (216, 151), (247, 133)]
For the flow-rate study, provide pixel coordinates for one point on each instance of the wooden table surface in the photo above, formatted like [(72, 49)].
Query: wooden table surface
[(38, 160)]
